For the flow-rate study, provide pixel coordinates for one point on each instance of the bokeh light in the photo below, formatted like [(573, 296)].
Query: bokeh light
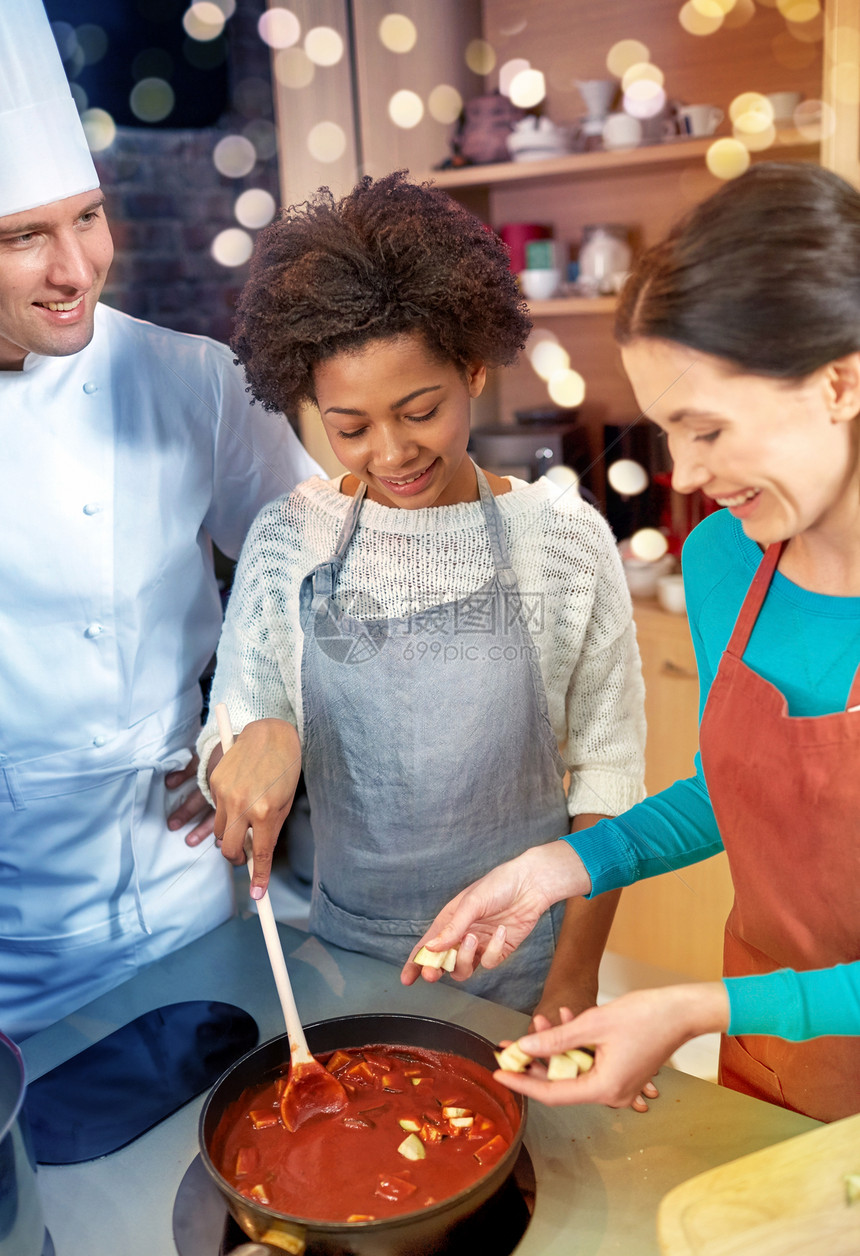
[(255, 208), (696, 22), (811, 32), (99, 128), (625, 53), (232, 247), (203, 21), (527, 89), (509, 71), (548, 357), (279, 28), (327, 141), (627, 477), (79, 96), (727, 158), (293, 68), (648, 545), (323, 45), (152, 100), (398, 33), (562, 476), (741, 12), (67, 41), (815, 120), (642, 71), (480, 56), (644, 99), (566, 388), (751, 112), (799, 10), (263, 136), (405, 109), (92, 41), (234, 156), (756, 141), (227, 7), (445, 103)]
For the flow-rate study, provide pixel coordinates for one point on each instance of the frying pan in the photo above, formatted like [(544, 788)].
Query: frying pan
[(420, 1233)]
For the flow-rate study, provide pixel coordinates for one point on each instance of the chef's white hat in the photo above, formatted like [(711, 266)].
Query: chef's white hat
[(44, 155)]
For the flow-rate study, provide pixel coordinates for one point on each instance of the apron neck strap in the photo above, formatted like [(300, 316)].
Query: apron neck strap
[(754, 599), (495, 528), (349, 524)]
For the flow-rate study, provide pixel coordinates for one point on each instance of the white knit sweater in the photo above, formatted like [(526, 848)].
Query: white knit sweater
[(403, 561)]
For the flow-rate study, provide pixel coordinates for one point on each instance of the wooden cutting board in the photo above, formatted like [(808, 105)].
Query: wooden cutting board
[(786, 1200)]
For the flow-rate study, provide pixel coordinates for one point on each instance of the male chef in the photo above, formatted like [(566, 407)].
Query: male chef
[(126, 450)]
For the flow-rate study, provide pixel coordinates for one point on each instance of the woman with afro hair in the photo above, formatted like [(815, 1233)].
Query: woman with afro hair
[(447, 654)]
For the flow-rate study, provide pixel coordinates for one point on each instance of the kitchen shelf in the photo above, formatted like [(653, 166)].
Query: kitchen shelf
[(572, 305), (672, 152)]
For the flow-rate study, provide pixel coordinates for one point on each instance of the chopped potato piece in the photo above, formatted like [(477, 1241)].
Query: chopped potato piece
[(583, 1056), (412, 1148), (259, 1193), (852, 1188), (561, 1068), (448, 1112), (262, 1118), (437, 959), (491, 1151), (513, 1059), (360, 1216), (409, 1124)]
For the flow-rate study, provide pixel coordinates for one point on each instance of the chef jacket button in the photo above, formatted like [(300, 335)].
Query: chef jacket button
[(90, 387), (93, 630), (101, 740), (93, 508)]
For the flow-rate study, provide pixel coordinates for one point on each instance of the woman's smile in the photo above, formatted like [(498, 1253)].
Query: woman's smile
[(398, 418)]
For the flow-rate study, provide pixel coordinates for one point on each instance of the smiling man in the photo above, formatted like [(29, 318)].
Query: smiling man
[(125, 451)]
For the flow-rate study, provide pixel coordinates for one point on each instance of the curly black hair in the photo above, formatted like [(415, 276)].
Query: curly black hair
[(391, 257)]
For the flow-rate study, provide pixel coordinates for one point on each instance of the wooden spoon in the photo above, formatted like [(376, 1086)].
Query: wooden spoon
[(311, 1091)]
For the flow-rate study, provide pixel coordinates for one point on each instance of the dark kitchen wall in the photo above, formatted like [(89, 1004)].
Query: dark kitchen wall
[(166, 200)]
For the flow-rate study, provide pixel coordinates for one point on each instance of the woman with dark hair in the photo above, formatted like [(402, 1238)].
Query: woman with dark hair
[(741, 337), (437, 645)]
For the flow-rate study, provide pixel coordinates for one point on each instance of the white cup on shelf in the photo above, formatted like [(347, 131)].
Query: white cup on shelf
[(540, 285), (699, 119)]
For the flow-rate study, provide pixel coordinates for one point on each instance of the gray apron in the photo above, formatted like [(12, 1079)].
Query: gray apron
[(429, 758)]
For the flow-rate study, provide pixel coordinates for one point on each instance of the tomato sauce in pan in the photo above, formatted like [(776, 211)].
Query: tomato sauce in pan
[(419, 1126)]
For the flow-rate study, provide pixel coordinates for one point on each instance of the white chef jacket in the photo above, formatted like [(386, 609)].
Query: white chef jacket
[(119, 466)]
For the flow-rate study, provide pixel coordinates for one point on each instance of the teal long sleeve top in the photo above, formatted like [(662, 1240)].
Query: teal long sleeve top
[(808, 646)]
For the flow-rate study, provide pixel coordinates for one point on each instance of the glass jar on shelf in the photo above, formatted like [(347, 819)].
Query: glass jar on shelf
[(604, 259)]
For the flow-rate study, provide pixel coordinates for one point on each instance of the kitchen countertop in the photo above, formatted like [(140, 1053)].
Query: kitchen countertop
[(600, 1173)]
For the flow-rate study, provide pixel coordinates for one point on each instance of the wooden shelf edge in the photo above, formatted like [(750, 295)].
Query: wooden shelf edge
[(572, 164), (564, 306)]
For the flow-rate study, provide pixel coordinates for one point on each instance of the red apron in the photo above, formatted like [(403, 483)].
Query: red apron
[(786, 795)]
